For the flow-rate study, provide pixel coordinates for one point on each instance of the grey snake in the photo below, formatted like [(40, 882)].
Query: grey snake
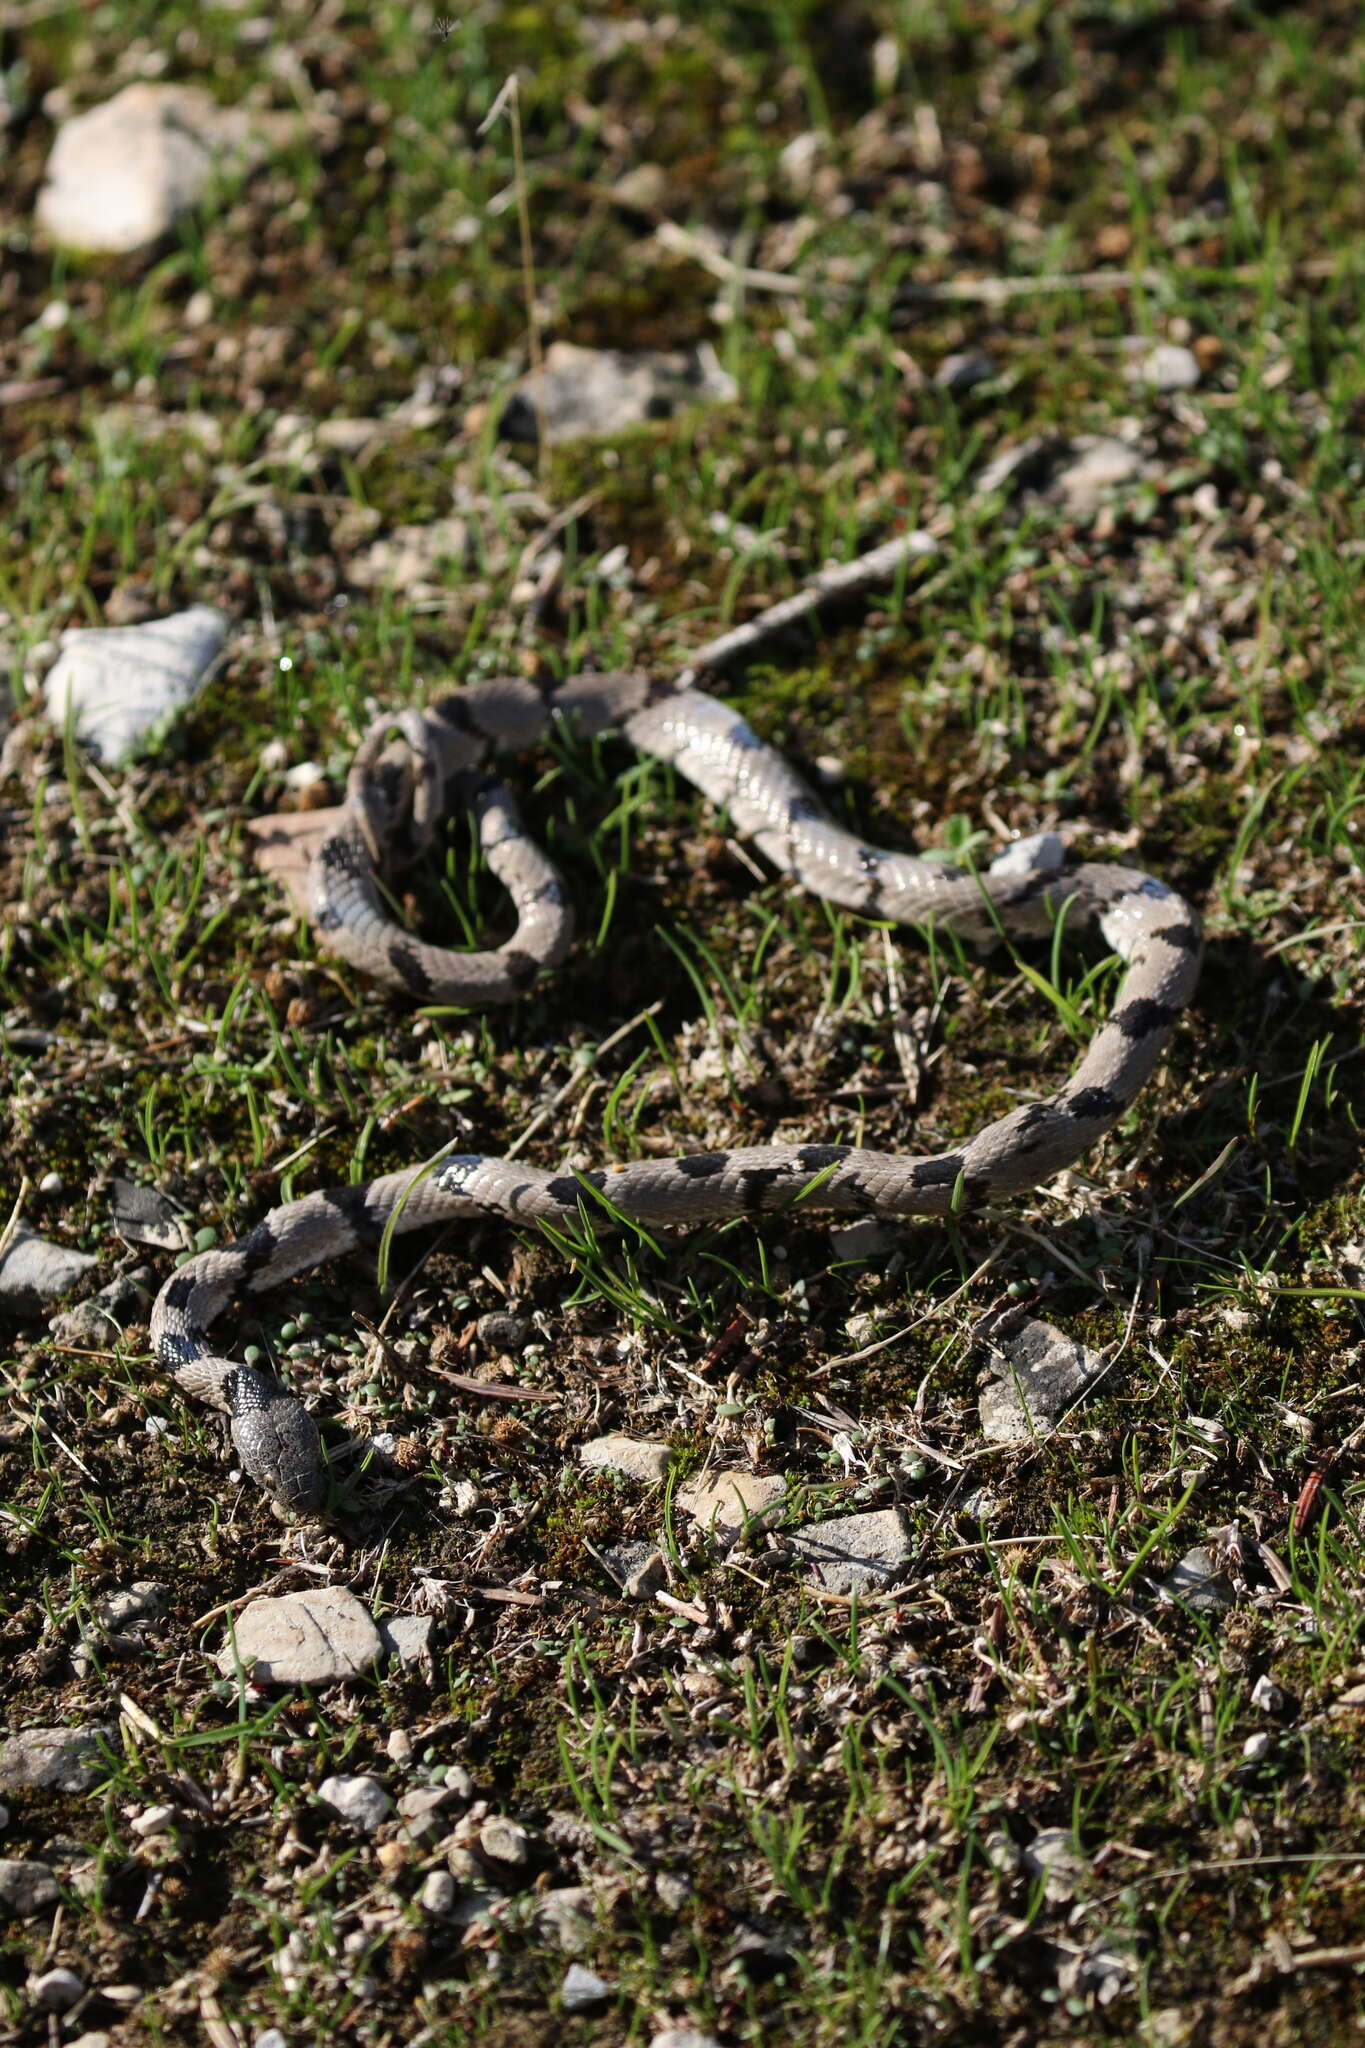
[(413, 768)]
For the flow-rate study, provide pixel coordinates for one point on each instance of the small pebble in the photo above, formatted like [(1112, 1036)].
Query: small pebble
[(361, 1802), (1256, 1746), (437, 1895), (583, 1989), (58, 1990), (51, 1184), (153, 1820)]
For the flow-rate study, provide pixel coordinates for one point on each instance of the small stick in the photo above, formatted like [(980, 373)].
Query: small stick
[(871, 571)]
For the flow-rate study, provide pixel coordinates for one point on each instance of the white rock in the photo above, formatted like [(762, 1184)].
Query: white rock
[(310, 1638), (53, 1759), (119, 175), (26, 1888), (600, 390), (361, 1802), (57, 1990), (1165, 367), (682, 2037), (33, 1269), (438, 1893), (121, 683), (857, 1553), (1267, 1696), (1042, 1373), (1257, 1747), (583, 1989), (505, 1841), (1041, 853), (723, 1499), (153, 1820), (636, 1459)]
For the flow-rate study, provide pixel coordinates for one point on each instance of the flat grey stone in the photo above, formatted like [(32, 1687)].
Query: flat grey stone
[(361, 1802), (422, 1808), (868, 1238), (144, 1600), (26, 1888), (1053, 1856), (314, 1637), (34, 1270), (625, 1454), (407, 1637), (121, 684), (1042, 1372), (723, 1500), (1199, 1583), (499, 1331), (53, 1759), (120, 174), (857, 1553), (583, 1990), (143, 1215), (565, 1916), (1076, 472), (91, 1325), (581, 391), (962, 373), (638, 1568)]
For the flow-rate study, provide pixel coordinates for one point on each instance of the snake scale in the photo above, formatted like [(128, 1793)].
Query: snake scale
[(413, 768)]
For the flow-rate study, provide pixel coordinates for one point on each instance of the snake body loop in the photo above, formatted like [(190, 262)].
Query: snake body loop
[(399, 788)]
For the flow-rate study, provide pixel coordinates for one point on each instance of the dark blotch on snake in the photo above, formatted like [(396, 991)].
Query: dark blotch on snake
[(937, 1173), (339, 855), (521, 969), (758, 1182), (1183, 935), (815, 1158), (566, 1188), (349, 1204), (701, 1165), (1143, 1016), (1090, 1102), (404, 960), (257, 1250), (179, 1292)]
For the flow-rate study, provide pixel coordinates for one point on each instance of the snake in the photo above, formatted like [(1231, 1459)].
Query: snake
[(416, 766)]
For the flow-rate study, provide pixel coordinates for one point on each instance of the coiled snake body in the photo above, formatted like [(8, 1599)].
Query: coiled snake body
[(398, 790)]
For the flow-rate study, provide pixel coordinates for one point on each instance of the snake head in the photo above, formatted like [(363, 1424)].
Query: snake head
[(279, 1446)]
